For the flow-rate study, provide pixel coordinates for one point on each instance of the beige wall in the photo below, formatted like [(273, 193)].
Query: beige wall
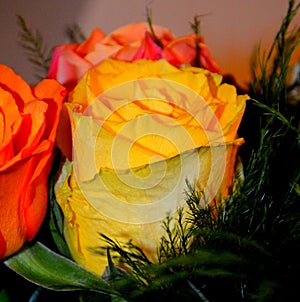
[(232, 28)]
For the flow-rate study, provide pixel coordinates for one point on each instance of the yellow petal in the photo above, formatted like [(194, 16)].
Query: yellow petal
[(133, 203)]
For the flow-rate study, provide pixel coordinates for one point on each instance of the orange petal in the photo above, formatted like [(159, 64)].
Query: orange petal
[(15, 85), (23, 178), (13, 198), (37, 193), (181, 50), (103, 52), (9, 123), (88, 46), (52, 93), (136, 31)]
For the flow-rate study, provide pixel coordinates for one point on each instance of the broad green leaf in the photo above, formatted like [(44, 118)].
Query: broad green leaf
[(42, 266)]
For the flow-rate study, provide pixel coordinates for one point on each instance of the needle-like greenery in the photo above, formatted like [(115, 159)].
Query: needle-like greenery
[(35, 49), (196, 29), (152, 31), (75, 34)]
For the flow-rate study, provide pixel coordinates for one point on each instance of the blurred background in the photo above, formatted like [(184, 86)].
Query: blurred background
[(232, 28)]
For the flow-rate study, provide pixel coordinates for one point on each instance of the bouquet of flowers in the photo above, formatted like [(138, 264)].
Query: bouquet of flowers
[(145, 173)]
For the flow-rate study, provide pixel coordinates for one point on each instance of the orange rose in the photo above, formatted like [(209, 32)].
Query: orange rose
[(127, 43), (28, 122)]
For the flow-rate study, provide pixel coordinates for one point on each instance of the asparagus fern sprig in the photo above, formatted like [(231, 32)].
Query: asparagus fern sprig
[(270, 70), (75, 33), (35, 49)]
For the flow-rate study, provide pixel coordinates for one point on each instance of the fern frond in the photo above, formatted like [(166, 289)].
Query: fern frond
[(35, 50)]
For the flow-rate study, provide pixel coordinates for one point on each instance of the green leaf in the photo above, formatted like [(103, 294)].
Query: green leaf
[(56, 228), (42, 266), (56, 220)]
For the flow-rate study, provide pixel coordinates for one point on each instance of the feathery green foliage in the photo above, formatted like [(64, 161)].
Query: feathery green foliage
[(196, 29), (75, 34), (150, 23), (35, 50), (270, 70)]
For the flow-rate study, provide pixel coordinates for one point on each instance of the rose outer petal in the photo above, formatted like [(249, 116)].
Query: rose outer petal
[(136, 31), (24, 177), (182, 50), (16, 86), (85, 218), (16, 225), (67, 66)]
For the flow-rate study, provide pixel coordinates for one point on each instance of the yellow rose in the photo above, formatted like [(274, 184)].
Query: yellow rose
[(139, 131)]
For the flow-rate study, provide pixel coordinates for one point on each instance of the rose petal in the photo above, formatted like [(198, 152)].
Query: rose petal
[(67, 66), (9, 123), (136, 31), (15, 85), (182, 50), (130, 212), (102, 52), (53, 94), (88, 46), (13, 223), (149, 50), (29, 127)]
